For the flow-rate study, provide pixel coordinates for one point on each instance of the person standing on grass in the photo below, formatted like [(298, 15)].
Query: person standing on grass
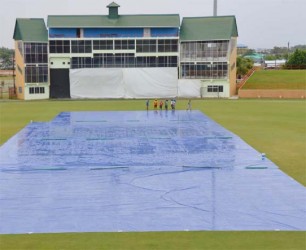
[(161, 103), (189, 105), (155, 104), (147, 104), (166, 104), (172, 104)]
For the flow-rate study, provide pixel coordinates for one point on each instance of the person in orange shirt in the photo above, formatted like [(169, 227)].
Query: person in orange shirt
[(155, 104)]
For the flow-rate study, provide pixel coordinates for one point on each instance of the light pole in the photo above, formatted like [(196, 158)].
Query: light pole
[(215, 7), (288, 52)]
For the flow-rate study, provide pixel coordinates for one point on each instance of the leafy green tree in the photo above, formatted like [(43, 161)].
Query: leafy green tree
[(279, 51), (297, 58), (275, 57), (302, 47), (249, 52), (243, 65), (6, 58)]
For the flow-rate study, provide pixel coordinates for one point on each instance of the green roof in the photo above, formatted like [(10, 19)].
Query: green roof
[(208, 28), (30, 30), (124, 21), (113, 4)]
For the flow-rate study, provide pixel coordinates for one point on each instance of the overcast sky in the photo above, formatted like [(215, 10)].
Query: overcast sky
[(261, 23)]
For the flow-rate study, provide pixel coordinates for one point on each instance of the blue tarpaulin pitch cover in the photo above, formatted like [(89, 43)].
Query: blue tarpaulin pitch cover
[(141, 171)]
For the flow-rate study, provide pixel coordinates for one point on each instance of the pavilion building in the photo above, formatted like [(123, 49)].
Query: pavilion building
[(125, 56)]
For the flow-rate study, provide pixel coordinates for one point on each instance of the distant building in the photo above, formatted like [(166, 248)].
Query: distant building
[(274, 64), (257, 58), (241, 49), (125, 56)]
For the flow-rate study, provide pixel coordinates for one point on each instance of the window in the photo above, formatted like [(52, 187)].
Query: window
[(124, 44), (204, 51), (81, 62), (34, 74), (20, 90), (123, 60), (37, 90), (59, 46), (167, 45), (35, 53), (204, 70), (146, 46), (215, 88), (82, 46), (103, 45)]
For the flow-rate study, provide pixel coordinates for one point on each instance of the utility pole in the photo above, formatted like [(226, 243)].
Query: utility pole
[(288, 53), (215, 7)]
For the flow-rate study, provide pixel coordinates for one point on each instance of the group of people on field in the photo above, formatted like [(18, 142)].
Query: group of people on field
[(161, 104)]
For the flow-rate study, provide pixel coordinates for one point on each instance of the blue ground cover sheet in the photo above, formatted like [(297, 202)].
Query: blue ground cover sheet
[(141, 171)]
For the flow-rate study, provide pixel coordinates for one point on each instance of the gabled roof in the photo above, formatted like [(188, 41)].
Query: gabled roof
[(124, 21), (113, 4), (208, 28), (30, 30)]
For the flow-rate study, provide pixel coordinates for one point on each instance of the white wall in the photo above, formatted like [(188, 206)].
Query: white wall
[(28, 96)]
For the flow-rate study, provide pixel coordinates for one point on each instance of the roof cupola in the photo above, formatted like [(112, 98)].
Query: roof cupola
[(113, 10)]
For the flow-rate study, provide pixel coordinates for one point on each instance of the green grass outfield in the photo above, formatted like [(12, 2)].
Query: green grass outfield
[(277, 79), (276, 127)]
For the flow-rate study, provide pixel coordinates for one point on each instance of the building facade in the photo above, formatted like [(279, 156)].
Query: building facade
[(31, 59), (125, 56)]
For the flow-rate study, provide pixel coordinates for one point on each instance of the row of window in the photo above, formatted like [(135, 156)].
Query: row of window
[(35, 74), (41, 90), (217, 70), (190, 51), (122, 61), (33, 90), (214, 88), (35, 53), (86, 46), (200, 51), (36, 90), (35, 48)]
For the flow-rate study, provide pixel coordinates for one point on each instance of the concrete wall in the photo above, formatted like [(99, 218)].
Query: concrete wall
[(6, 72), (19, 80), (232, 67), (269, 93)]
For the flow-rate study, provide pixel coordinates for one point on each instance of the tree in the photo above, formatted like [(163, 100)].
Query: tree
[(276, 57), (243, 65), (297, 58), (249, 52), (279, 51), (6, 58)]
